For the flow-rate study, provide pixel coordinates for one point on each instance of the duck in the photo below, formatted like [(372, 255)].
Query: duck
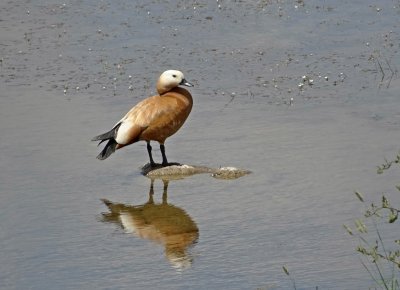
[(153, 119), (161, 222)]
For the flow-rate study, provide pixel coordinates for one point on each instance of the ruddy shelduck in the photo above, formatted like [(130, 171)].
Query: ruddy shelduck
[(153, 119)]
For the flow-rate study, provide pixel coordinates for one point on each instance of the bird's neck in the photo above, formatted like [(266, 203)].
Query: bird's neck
[(162, 88), (179, 93)]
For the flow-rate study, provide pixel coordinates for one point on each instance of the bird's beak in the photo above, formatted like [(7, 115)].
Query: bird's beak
[(185, 83)]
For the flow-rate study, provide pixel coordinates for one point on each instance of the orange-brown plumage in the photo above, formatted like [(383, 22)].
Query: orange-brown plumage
[(153, 119)]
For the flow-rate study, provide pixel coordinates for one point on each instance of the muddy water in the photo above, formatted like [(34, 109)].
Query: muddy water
[(69, 70)]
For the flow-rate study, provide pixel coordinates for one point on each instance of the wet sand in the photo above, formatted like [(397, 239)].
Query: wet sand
[(69, 71)]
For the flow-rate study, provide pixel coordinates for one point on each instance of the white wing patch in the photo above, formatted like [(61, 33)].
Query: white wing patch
[(123, 132)]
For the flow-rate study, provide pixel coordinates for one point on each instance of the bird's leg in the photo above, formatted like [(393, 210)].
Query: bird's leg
[(164, 157), (165, 194), (152, 163), (151, 192)]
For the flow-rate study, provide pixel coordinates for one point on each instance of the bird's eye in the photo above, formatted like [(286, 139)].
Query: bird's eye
[(174, 76)]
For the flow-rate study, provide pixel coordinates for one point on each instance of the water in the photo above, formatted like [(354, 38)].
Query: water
[(66, 73)]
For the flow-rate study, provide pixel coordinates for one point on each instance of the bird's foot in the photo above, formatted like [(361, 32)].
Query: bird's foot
[(152, 166)]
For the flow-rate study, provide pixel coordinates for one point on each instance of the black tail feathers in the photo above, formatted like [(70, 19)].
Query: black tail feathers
[(106, 202), (111, 144), (108, 135)]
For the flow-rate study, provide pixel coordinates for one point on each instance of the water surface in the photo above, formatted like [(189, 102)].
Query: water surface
[(70, 70)]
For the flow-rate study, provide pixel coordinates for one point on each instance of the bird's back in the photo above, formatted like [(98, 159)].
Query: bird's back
[(158, 117)]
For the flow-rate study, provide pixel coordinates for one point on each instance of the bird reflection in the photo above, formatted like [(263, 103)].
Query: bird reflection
[(163, 223)]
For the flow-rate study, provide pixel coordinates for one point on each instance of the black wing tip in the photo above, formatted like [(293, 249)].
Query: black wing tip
[(101, 157), (107, 150)]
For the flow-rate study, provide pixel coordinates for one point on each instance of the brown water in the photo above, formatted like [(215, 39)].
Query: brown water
[(70, 70)]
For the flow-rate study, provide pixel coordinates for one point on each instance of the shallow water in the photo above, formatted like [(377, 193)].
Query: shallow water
[(68, 72)]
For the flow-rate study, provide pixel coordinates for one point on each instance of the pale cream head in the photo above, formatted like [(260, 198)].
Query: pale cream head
[(171, 79)]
